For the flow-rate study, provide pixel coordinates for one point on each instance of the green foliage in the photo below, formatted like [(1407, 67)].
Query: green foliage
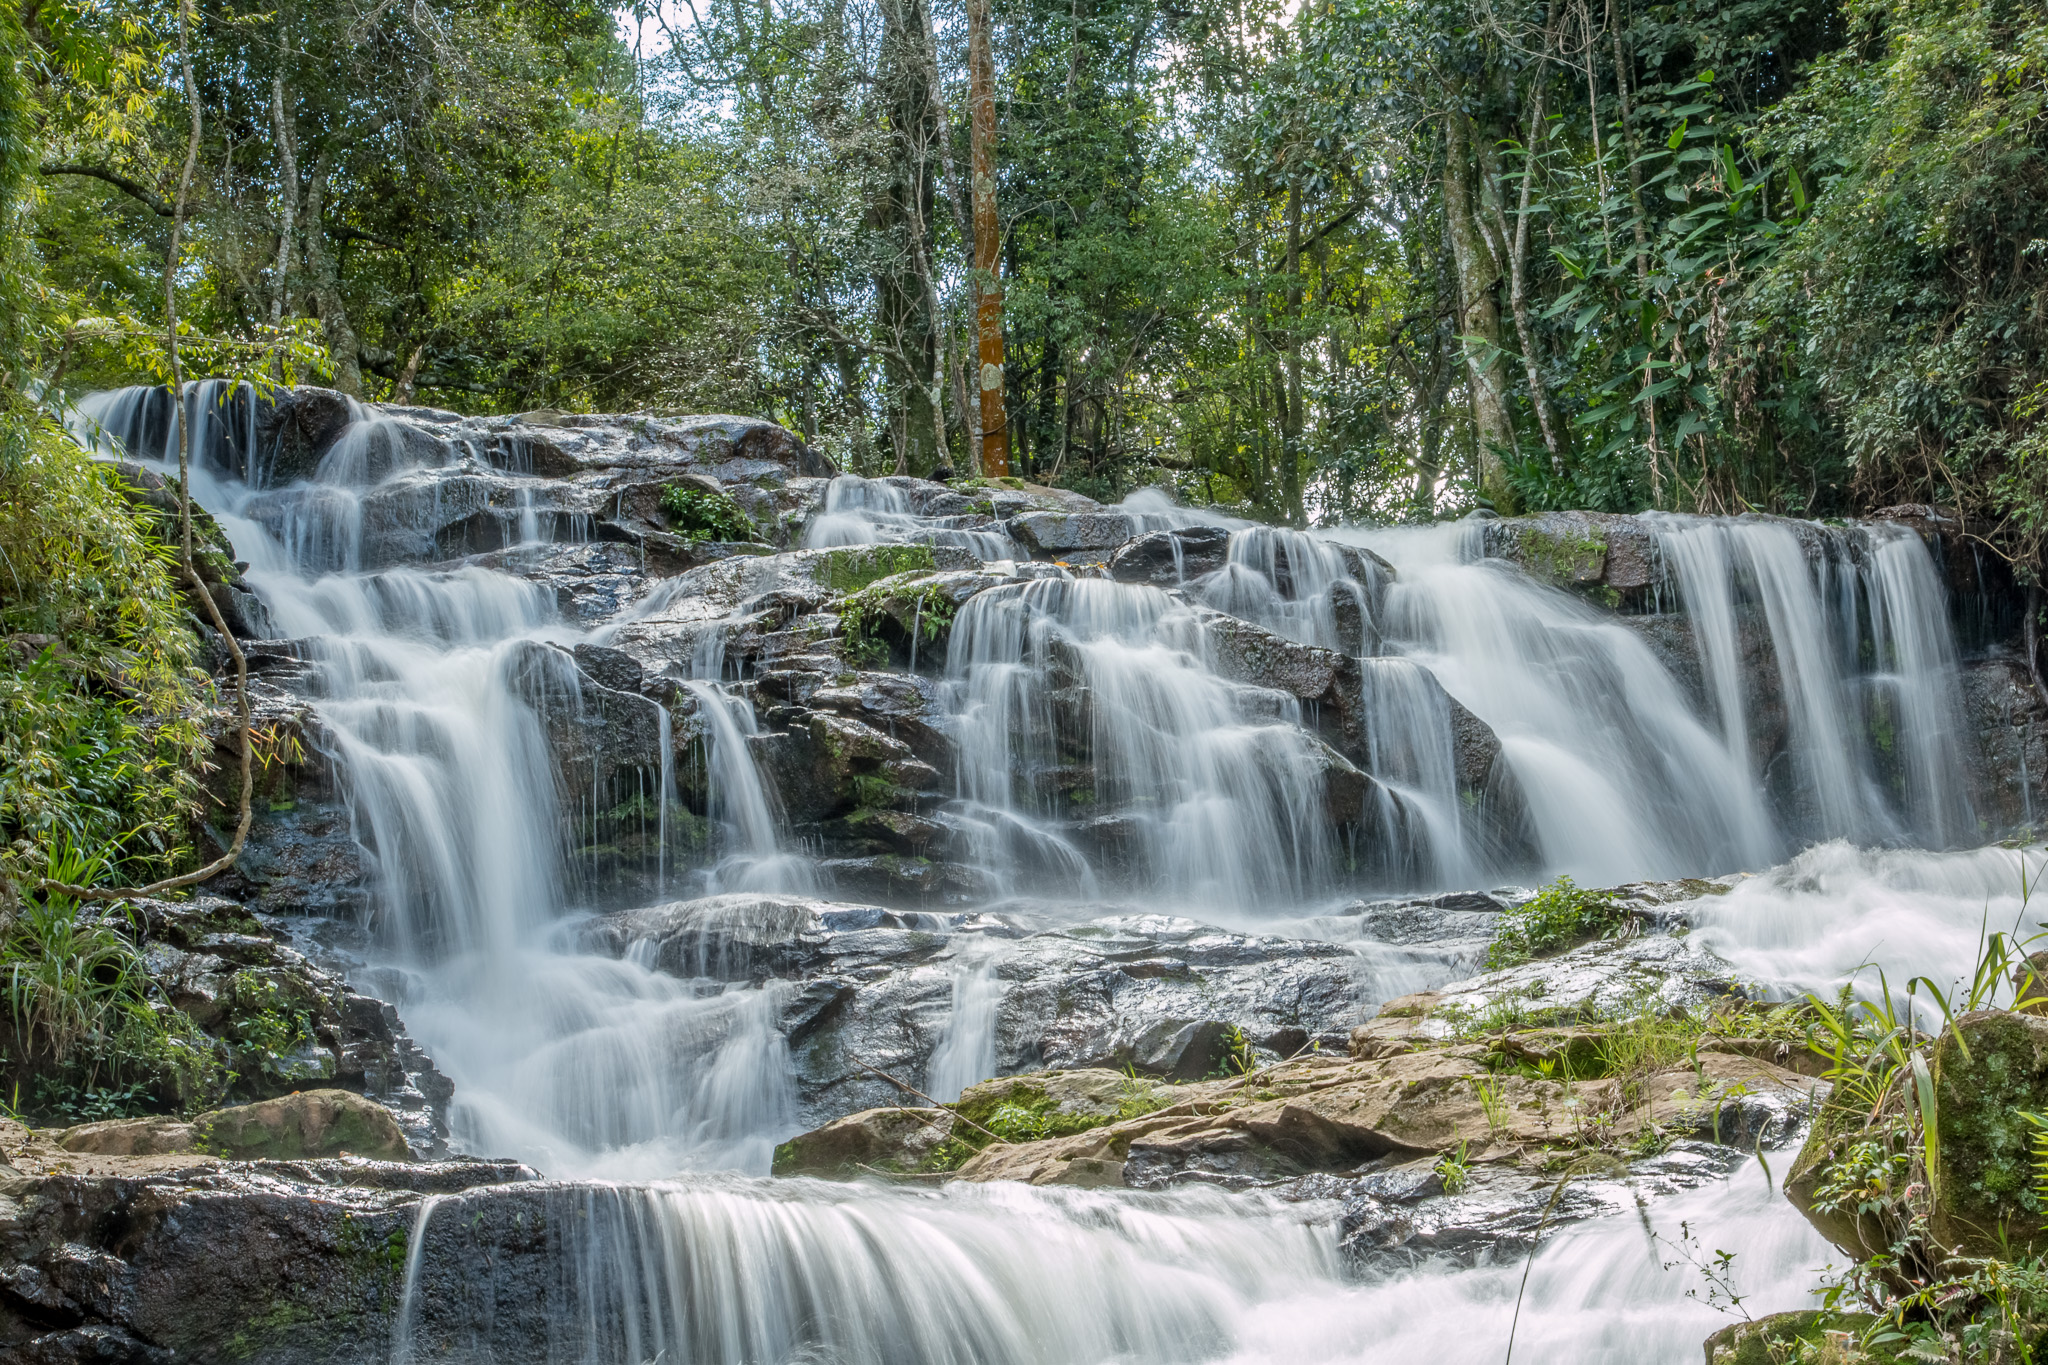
[(920, 607), (101, 734), (854, 568), (1024, 1112), (1562, 916), (701, 515), (1454, 1169)]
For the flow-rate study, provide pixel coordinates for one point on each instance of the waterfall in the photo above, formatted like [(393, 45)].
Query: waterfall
[(967, 1054), (1066, 695), (861, 511), (1408, 730), (742, 804), (1010, 1275), (1813, 588), (1802, 706), (435, 691), (1621, 778)]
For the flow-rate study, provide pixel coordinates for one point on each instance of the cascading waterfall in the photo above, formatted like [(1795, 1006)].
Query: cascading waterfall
[(1619, 776), (1219, 795), (871, 511), (1099, 746), (1011, 1275), (433, 690), (1813, 596)]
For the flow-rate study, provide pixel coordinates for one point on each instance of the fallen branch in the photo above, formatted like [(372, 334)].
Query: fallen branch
[(928, 1100)]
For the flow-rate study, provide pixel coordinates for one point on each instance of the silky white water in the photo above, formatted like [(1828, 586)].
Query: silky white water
[(1102, 748)]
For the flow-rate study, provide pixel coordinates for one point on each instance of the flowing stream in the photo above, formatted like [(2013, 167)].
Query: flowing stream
[(1622, 756)]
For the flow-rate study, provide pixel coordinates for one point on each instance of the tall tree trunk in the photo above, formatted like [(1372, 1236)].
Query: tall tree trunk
[(1478, 272), (342, 347), (906, 293), (1518, 256), (1292, 420), (288, 199), (988, 310), (1635, 194)]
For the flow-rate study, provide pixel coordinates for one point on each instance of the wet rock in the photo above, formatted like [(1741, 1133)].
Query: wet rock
[(1327, 1115), (1251, 654), (300, 426), (1170, 559), (590, 582), (1089, 537), (229, 971), (1611, 557), (1605, 980), (290, 1263), (2009, 720), (874, 1141), (1167, 996)]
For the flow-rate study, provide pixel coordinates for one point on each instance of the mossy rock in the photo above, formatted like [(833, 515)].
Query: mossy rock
[(1775, 1339), (889, 1141), (302, 1126), (1836, 1126), (1990, 1069)]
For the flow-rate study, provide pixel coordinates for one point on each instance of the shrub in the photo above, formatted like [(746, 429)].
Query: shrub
[(101, 709), (701, 515)]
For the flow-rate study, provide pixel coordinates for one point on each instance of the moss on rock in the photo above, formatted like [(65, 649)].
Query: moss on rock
[(1990, 1071)]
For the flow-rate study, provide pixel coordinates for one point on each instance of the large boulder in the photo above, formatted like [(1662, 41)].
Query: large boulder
[(306, 1125), (1989, 1070), (303, 1126), (147, 1260), (894, 1141)]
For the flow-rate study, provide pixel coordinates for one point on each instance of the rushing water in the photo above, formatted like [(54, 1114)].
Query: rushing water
[(1101, 745)]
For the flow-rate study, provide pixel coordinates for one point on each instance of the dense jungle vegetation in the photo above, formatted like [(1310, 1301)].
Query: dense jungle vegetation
[(1327, 260)]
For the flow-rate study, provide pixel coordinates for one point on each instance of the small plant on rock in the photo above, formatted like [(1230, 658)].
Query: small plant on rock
[(1560, 917), (699, 514)]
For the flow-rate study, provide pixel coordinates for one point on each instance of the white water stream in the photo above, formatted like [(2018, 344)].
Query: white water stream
[(435, 694)]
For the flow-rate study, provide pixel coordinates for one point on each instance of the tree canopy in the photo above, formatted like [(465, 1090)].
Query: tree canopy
[(1330, 260)]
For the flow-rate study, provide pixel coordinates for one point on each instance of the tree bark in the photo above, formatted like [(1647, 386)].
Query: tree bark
[(1518, 259), (1478, 272), (988, 302), (342, 346), (288, 200)]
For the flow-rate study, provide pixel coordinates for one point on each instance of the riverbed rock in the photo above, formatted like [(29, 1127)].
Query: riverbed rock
[(1330, 1115), (891, 1141), (1171, 559), (160, 1259), (1169, 997)]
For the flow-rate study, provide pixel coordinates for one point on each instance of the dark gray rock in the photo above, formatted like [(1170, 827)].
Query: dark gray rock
[(1154, 992), (1169, 559), (290, 1263)]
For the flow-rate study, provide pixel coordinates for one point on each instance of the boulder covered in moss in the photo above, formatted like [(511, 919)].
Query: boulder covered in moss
[(1990, 1071), (303, 1126), (873, 1142), (308, 1125), (1779, 1337)]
